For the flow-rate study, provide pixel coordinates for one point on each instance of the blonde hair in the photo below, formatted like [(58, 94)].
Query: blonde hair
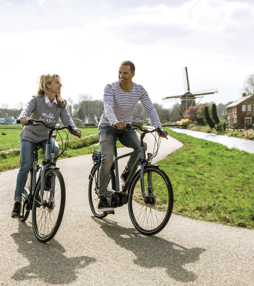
[(43, 89)]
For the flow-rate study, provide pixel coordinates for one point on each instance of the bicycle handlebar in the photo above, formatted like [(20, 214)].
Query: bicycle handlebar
[(135, 126), (34, 122)]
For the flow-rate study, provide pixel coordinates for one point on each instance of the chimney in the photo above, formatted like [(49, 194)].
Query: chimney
[(244, 94)]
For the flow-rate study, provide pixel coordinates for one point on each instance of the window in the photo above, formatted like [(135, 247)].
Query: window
[(248, 120), (249, 107), (228, 120), (243, 107), (235, 119)]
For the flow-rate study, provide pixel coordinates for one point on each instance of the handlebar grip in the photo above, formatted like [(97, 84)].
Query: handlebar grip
[(30, 122), (73, 132)]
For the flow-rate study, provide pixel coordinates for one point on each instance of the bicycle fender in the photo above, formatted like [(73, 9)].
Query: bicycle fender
[(93, 171), (52, 168), (151, 165)]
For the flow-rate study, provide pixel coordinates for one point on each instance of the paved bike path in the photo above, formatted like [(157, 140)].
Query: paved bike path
[(89, 251)]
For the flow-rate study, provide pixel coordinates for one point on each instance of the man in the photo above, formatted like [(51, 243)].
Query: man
[(119, 100)]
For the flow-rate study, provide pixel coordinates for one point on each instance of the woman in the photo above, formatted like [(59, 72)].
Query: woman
[(47, 105)]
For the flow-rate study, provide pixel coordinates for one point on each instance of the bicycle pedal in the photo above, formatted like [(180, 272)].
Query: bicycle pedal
[(16, 216), (110, 212)]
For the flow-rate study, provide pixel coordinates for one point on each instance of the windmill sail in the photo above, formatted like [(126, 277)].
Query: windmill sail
[(186, 82)]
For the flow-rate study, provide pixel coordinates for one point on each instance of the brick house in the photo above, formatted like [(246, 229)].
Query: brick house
[(241, 111)]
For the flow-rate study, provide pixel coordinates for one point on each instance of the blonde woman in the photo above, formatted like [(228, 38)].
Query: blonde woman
[(47, 105)]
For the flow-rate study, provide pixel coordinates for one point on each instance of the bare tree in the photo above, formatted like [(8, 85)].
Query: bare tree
[(19, 105), (249, 84), (69, 105), (4, 105)]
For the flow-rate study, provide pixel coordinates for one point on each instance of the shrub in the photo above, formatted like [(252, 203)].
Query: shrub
[(185, 122), (215, 115), (208, 118), (137, 123)]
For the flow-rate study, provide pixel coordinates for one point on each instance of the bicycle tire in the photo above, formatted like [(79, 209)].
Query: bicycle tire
[(43, 232), (24, 201), (93, 189), (160, 205)]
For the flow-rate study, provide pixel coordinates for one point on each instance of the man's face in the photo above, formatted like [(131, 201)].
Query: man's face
[(125, 75)]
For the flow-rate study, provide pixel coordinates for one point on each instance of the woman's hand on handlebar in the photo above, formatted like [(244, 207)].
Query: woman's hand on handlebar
[(78, 132), (119, 125), (23, 120)]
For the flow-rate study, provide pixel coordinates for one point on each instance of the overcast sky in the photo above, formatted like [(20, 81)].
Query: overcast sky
[(85, 41)]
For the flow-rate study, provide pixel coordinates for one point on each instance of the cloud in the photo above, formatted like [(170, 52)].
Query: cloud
[(219, 26)]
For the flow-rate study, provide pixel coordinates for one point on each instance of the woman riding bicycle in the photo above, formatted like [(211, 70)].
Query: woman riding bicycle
[(47, 105)]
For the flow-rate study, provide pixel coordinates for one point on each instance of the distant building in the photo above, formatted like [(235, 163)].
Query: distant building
[(241, 111), (92, 120), (77, 121)]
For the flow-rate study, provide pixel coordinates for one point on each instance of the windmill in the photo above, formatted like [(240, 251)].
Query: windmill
[(188, 98)]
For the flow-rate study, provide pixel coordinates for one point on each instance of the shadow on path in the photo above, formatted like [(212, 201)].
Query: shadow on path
[(47, 261), (153, 251)]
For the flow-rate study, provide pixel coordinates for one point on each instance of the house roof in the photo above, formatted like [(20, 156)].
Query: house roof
[(238, 101)]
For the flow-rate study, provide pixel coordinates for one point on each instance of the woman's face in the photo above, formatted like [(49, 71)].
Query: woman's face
[(55, 86)]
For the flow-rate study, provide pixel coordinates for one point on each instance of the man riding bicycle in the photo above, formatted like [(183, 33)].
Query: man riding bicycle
[(120, 99)]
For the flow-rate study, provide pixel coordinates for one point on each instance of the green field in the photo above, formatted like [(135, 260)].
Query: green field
[(10, 159), (211, 182), (11, 138)]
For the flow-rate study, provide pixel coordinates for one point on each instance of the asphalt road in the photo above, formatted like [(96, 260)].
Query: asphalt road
[(89, 251)]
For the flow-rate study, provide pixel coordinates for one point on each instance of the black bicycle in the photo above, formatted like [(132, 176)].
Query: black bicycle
[(45, 196), (148, 191)]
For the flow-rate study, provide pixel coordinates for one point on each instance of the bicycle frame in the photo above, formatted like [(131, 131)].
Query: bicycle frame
[(143, 161), (48, 161)]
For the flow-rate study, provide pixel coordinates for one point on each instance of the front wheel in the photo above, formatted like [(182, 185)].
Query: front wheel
[(93, 191), (47, 218), (150, 215)]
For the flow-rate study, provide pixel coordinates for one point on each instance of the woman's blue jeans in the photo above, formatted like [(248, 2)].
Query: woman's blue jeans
[(108, 136), (26, 159)]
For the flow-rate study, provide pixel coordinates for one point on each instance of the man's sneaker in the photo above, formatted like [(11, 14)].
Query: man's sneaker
[(104, 206), (124, 176), (16, 210)]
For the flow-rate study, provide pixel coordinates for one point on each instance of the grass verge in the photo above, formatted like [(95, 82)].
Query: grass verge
[(211, 182)]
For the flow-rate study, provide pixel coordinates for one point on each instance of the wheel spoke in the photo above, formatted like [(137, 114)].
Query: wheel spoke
[(151, 215), (47, 218)]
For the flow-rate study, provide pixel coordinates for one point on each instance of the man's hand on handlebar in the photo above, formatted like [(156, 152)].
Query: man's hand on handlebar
[(165, 133), (119, 125)]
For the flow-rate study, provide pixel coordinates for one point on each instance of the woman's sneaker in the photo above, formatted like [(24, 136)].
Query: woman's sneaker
[(104, 206), (16, 210)]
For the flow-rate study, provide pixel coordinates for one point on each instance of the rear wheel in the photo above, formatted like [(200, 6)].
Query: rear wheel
[(150, 215), (25, 208), (93, 191), (47, 217)]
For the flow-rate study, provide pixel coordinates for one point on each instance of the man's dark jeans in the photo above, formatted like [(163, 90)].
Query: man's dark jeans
[(108, 136)]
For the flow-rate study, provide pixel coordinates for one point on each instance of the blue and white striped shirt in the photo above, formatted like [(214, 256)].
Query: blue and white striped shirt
[(120, 105)]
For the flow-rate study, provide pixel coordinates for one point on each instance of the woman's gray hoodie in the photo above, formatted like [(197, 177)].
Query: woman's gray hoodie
[(38, 109)]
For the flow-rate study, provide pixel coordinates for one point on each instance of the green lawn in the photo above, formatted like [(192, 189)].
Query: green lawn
[(211, 182), (11, 138)]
